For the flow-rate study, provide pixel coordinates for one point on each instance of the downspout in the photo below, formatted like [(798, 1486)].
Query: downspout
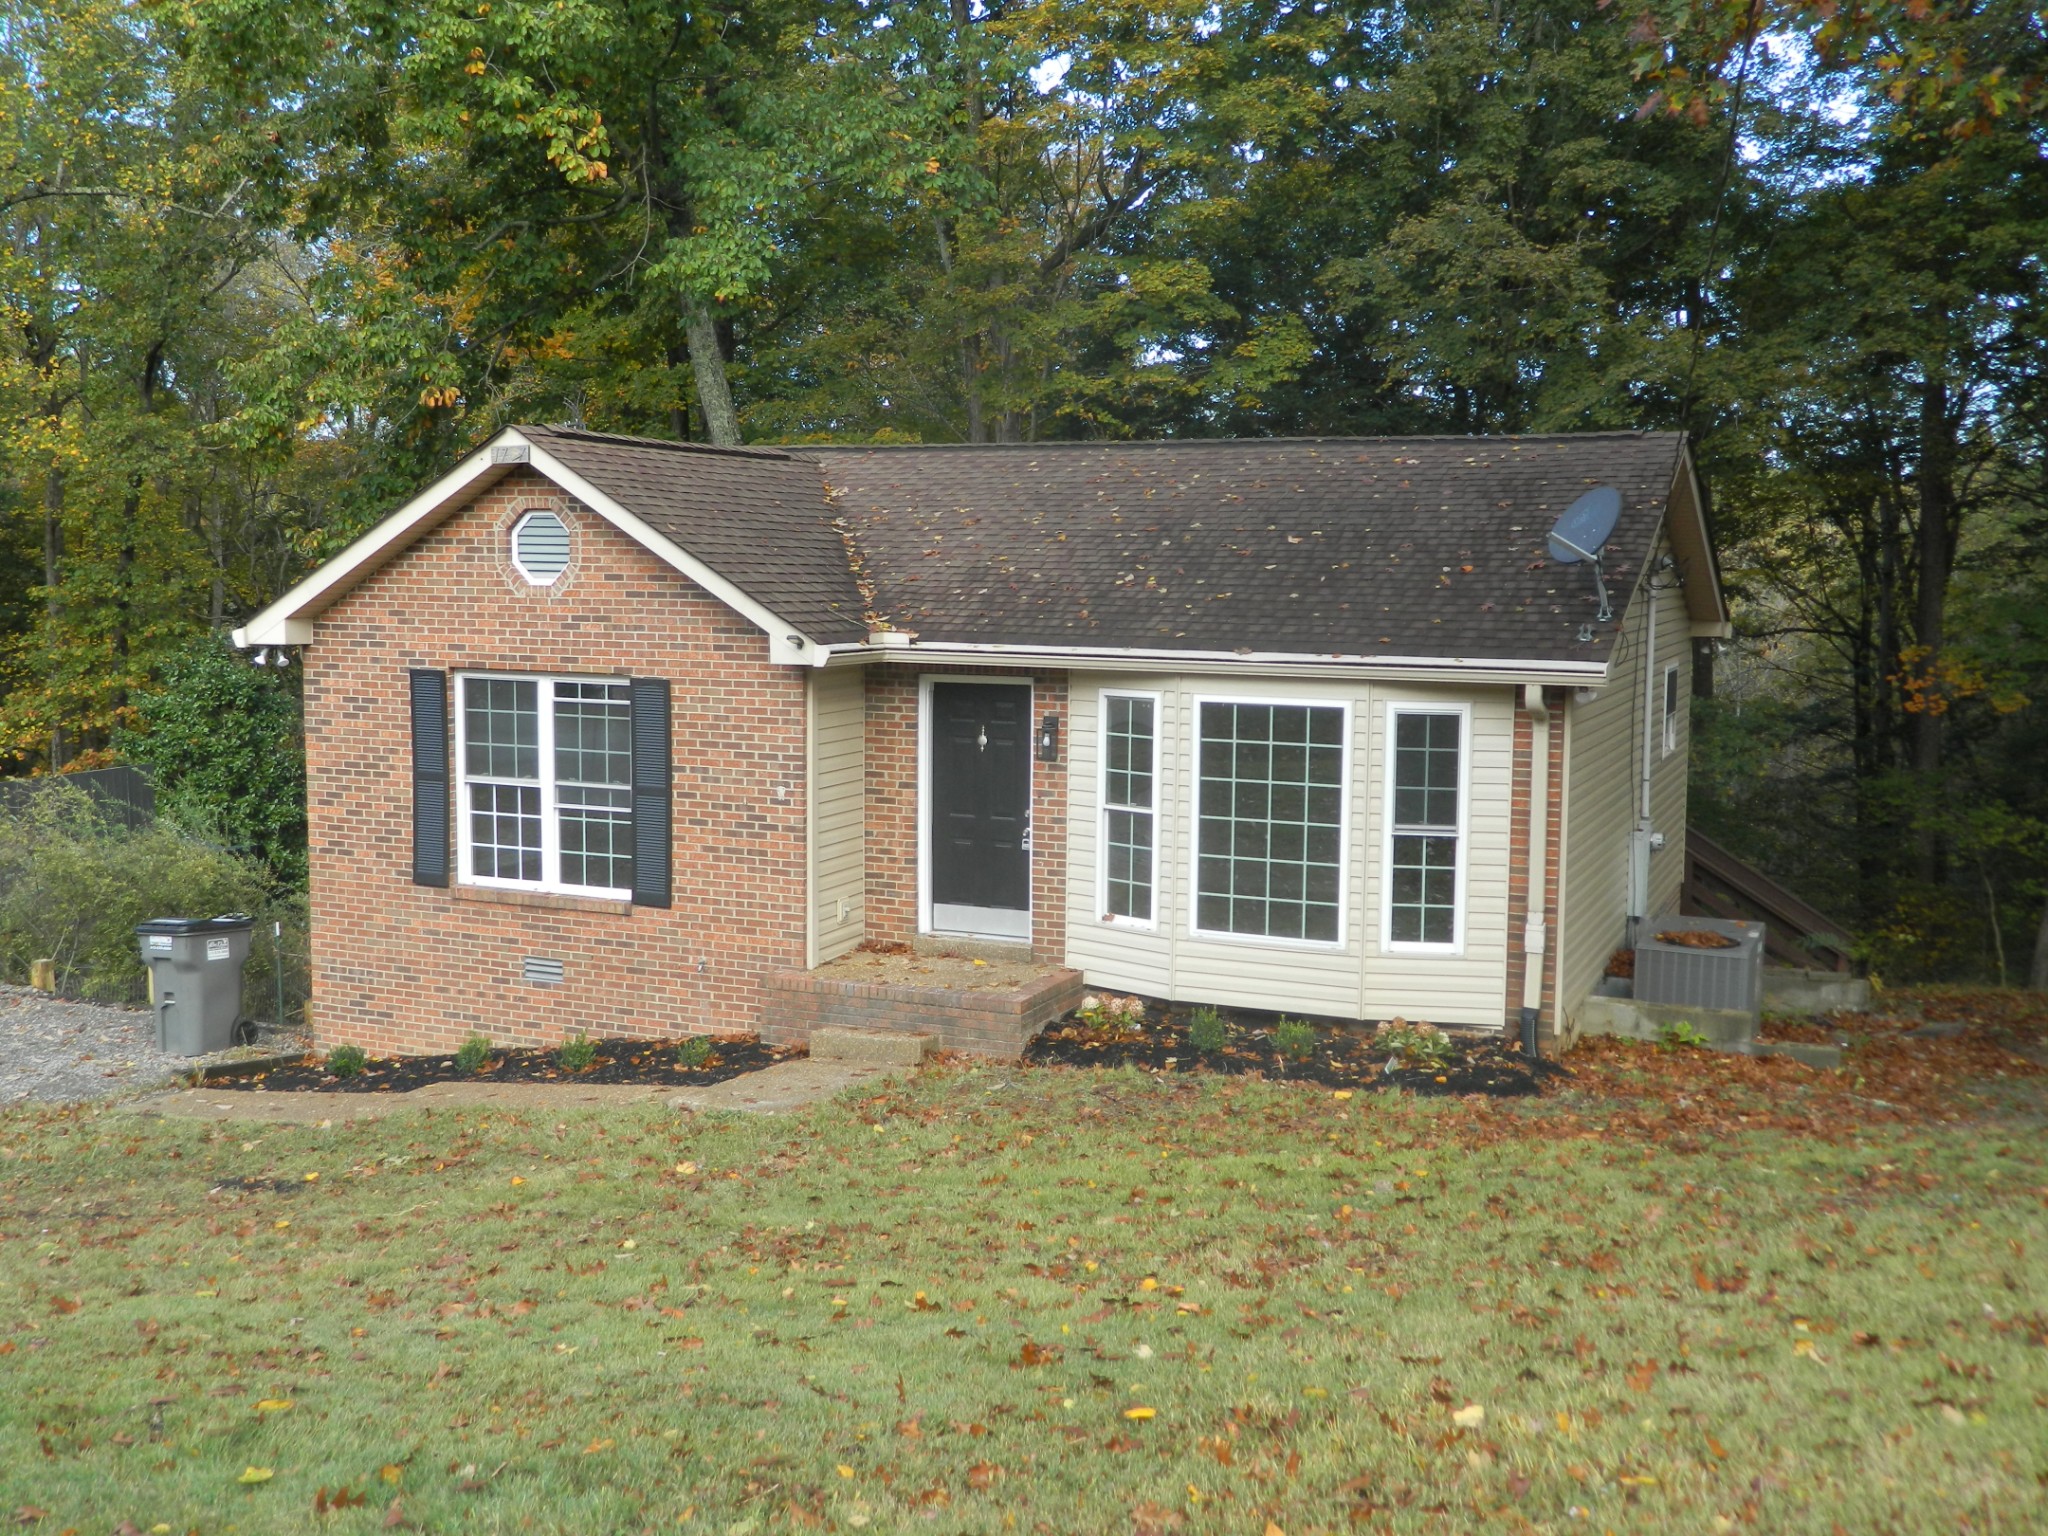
[(1534, 939), (1639, 839)]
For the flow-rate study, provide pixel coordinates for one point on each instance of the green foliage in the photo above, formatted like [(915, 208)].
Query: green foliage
[(578, 1053), (1206, 1030), (1295, 1039), (1416, 1045), (474, 1054), (73, 887), (222, 741), (693, 1051), (1681, 1036), (347, 1061)]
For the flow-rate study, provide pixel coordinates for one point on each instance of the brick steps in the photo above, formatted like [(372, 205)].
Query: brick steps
[(799, 1006)]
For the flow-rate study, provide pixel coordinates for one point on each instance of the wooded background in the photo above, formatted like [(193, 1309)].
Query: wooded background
[(267, 267)]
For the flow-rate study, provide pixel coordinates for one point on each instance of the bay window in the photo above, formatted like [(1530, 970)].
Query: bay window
[(1269, 845)]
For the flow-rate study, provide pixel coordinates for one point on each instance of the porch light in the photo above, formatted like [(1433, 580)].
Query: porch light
[(1049, 739)]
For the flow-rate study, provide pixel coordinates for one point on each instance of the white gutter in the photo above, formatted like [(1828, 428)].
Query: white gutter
[(1537, 880), (1284, 663)]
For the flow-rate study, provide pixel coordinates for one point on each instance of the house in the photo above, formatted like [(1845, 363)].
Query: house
[(630, 736)]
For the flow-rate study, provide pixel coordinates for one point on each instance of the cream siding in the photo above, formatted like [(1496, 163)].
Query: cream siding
[(1357, 978), (1603, 767), (838, 819)]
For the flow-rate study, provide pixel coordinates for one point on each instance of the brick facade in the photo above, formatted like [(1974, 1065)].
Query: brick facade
[(892, 775), (399, 967)]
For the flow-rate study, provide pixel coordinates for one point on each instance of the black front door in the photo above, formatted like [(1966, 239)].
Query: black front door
[(980, 801)]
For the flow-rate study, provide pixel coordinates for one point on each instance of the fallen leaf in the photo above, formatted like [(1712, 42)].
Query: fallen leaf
[(391, 1472), (843, 1470), (254, 1475), (1471, 1416), (983, 1474), (274, 1405), (1140, 1414)]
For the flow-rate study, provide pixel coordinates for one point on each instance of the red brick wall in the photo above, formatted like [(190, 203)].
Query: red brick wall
[(399, 967), (1518, 864), (892, 769)]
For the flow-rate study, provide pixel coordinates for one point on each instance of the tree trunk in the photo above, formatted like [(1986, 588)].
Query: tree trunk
[(53, 557), (2038, 979), (1935, 483), (707, 365)]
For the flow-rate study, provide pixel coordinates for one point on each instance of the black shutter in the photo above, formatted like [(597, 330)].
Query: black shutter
[(652, 880), (429, 777)]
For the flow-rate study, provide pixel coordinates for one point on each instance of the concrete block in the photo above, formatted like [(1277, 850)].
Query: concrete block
[(1647, 1021), (869, 1047), (1787, 990), (1826, 1056)]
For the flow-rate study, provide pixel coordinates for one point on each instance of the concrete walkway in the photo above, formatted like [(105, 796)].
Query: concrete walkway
[(773, 1090)]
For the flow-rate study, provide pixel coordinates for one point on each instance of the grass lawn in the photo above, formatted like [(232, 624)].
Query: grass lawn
[(1049, 1301)]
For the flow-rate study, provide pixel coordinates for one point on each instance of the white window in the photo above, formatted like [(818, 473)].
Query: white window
[(1671, 710), (1425, 813), (540, 547), (1130, 800), (547, 799), (1269, 839)]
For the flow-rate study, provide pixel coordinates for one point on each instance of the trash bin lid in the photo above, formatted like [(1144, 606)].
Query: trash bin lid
[(230, 922)]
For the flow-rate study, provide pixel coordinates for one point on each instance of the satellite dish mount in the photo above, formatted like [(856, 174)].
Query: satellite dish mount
[(1581, 534)]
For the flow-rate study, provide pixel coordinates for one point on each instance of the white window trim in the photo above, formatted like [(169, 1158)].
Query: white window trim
[(1388, 945), (1671, 713), (1194, 827), (924, 791), (550, 882), (534, 578), (1103, 807)]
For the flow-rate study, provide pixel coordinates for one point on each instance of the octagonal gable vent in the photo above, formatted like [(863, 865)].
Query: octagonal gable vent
[(540, 547)]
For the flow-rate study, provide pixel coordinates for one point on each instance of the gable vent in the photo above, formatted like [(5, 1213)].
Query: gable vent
[(540, 547), (542, 972)]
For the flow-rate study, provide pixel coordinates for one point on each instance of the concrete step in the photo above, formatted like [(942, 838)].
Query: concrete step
[(1826, 1056), (1794, 991), (869, 1047), (1648, 1021)]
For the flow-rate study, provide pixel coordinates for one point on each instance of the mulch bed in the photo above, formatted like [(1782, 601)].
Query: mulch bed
[(631, 1062), (1342, 1058)]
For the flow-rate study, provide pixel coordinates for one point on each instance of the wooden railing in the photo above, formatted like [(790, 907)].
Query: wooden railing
[(1718, 884)]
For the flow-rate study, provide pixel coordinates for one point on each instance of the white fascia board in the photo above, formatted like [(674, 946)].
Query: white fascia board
[(785, 642), (289, 620), (1422, 669)]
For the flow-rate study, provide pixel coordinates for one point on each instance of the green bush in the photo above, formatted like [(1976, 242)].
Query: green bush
[(1295, 1038), (1207, 1031), (693, 1052), (577, 1053), (1416, 1045), (223, 743), (474, 1054), (73, 885), (1682, 1036), (347, 1061)]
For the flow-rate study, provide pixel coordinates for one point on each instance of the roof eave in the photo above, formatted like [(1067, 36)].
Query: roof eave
[(1425, 669)]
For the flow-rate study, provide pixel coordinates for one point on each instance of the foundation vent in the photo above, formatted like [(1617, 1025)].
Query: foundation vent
[(542, 972)]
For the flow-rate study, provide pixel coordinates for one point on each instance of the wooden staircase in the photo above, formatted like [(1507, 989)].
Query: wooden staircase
[(1718, 884)]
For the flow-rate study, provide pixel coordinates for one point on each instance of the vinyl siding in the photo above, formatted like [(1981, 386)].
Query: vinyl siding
[(838, 780), (1603, 762), (1357, 978)]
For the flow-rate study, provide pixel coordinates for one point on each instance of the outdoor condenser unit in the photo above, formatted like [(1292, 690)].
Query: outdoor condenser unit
[(1730, 979)]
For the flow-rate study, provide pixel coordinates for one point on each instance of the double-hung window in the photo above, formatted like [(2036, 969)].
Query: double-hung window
[(547, 784), (1269, 841), (1425, 827), (1130, 799)]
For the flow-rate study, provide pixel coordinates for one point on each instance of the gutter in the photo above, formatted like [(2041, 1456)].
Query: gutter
[(1117, 658)]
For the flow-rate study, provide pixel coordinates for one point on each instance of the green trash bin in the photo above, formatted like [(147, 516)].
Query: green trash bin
[(195, 966)]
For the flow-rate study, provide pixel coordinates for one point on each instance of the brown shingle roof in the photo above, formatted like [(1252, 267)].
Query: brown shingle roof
[(1408, 547), (1429, 546), (754, 515)]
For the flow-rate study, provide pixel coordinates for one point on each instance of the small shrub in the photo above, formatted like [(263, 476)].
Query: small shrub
[(1295, 1038), (1416, 1045), (347, 1061), (578, 1053), (1207, 1031), (1118, 1015), (1678, 1037), (474, 1054), (693, 1052)]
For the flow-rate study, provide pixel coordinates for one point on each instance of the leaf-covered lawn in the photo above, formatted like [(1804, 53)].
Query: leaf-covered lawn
[(1037, 1300)]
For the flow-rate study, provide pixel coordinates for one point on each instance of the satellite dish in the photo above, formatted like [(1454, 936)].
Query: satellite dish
[(1582, 532)]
